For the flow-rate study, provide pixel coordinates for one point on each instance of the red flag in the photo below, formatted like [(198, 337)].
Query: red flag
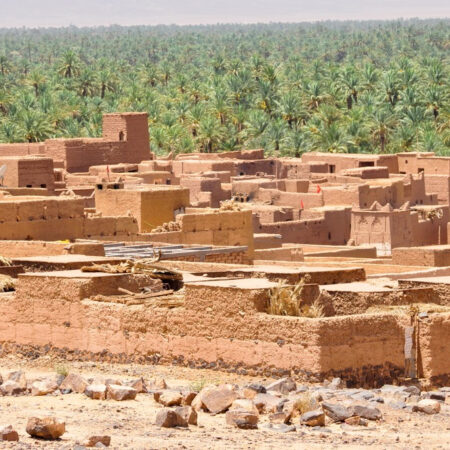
[(107, 172), (302, 205), (319, 190)]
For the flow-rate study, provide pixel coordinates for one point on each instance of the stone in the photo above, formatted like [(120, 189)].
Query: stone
[(280, 428), (240, 418), (219, 399), (138, 384), (188, 413), (354, 420), (43, 387), (315, 418), (391, 389), (170, 398), (7, 433), (120, 393), (245, 404), (336, 383), (363, 395), (197, 403), (168, 418), (45, 428), (109, 381), (156, 384), (412, 390), (427, 406), (268, 403), (396, 405), (252, 390), (19, 377), (366, 412), (337, 413), (283, 385), (188, 397), (280, 417), (96, 391), (437, 395), (93, 441), (10, 387), (74, 383)]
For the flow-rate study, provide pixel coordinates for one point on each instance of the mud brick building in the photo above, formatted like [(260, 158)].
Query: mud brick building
[(365, 235)]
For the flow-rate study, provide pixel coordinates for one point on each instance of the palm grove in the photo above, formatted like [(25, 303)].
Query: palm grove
[(288, 88)]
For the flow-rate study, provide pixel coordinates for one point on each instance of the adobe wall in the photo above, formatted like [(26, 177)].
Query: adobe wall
[(198, 185), (28, 171), (17, 249), (280, 254), (366, 349), (440, 185), (56, 218), (22, 149), (434, 336), (237, 154), (224, 228), (433, 256), (399, 228), (333, 227), (150, 206), (132, 128)]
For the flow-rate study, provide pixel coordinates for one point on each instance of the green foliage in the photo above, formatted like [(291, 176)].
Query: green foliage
[(289, 88), (62, 369)]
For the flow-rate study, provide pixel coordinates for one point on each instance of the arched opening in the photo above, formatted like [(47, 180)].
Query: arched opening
[(121, 136)]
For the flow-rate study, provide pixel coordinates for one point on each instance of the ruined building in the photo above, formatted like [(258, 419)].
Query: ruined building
[(86, 222)]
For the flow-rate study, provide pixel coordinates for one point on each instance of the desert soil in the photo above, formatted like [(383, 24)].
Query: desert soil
[(131, 423)]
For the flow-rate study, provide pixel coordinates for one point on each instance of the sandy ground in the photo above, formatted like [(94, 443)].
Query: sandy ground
[(131, 423)]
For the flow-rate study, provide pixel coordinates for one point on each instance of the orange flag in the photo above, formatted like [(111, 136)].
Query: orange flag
[(319, 190), (107, 172), (302, 205)]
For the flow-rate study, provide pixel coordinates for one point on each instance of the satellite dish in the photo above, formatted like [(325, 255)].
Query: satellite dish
[(3, 172)]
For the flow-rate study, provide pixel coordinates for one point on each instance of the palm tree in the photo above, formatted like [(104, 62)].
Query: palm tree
[(69, 64), (330, 138), (210, 134), (289, 108), (220, 104), (37, 80), (34, 126), (5, 65), (391, 87), (106, 81), (86, 82), (382, 122), (276, 133)]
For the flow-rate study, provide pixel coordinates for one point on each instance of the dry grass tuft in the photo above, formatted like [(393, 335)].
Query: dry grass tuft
[(305, 403), (286, 301), (230, 205), (7, 283), (5, 261)]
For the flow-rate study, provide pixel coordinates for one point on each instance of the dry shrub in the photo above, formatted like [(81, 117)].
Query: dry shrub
[(230, 205), (312, 311), (7, 283), (286, 301), (305, 403), (5, 261)]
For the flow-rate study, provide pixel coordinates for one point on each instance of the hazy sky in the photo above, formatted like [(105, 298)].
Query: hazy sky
[(46, 13)]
